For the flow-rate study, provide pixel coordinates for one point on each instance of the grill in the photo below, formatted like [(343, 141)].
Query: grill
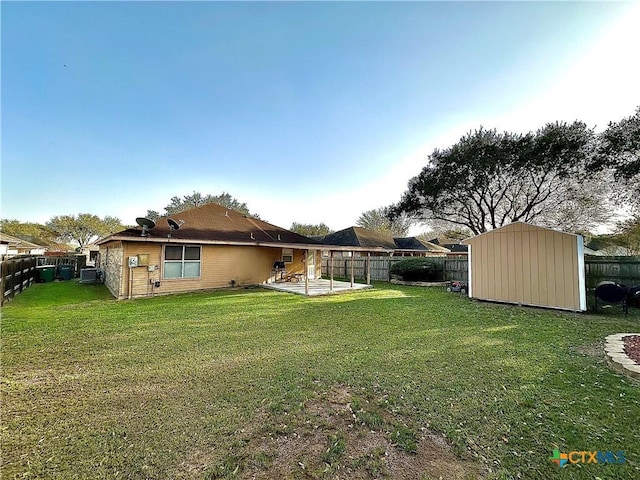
[(613, 293)]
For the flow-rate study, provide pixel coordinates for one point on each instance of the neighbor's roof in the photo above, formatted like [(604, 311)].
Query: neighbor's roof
[(414, 243), (360, 237), (17, 242), (213, 223)]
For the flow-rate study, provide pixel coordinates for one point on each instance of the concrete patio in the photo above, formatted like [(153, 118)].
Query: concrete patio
[(317, 287)]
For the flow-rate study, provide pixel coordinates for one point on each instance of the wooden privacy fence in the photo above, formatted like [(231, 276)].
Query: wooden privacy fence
[(16, 274), (19, 273), (454, 267), (623, 270), (76, 261)]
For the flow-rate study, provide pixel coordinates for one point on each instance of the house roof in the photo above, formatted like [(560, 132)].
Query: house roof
[(613, 251), (213, 223), (17, 242), (414, 243), (360, 237), (363, 239)]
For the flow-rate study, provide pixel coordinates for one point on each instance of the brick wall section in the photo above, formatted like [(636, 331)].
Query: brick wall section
[(112, 256)]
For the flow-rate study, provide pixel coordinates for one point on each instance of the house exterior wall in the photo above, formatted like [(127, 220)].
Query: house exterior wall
[(527, 265), (112, 257), (219, 265)]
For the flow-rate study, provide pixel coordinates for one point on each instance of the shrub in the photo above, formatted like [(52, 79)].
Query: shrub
[(418, 269)]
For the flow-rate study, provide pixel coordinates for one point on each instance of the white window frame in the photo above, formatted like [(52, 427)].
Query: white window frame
[(287, 252), (182, 261)]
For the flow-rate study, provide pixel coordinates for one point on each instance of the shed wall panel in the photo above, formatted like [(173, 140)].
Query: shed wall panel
[(528, 265)]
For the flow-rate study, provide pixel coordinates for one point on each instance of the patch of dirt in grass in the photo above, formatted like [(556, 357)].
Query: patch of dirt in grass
[(341, 435), (593, 350)]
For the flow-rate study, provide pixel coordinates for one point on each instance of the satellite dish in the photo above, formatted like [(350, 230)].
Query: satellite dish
[(146, 224), (173, 225)]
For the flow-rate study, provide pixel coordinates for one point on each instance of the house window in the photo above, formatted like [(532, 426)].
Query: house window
[(181, 261), (287, 255)]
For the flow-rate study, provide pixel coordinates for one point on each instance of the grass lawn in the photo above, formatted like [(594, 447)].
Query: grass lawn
[(394, 382)]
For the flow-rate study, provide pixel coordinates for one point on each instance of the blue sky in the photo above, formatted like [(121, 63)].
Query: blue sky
[(309, 112)]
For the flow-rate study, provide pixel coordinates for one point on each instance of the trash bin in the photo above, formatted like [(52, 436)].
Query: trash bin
[(45, 273), (65, 272)]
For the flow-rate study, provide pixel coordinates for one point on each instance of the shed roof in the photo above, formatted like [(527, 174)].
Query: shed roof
[(515, 227)]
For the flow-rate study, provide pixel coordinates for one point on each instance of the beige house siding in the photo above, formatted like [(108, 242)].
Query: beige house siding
[(219, 265), (528, 265)]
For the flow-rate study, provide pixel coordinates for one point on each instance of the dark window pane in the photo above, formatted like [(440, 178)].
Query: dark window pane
[(173, 253), (192, 253)]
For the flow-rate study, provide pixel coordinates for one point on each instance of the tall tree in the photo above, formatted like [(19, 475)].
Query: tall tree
[(379, 220), (308, 229), (455, 235), (628, 235), (490, 179), (197, 199), (84, 227), (619, 150)]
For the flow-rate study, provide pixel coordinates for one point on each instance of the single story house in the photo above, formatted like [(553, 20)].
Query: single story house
[(417, 246), (18, 246), (528, 265), (91, 252), (208, 247)]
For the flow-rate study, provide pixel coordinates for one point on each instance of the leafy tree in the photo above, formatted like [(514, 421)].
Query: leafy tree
[(490, 179), (628, 235), (308, 229), (153, 215), (455, 235), (619, 147), (379, 220), (196, 199), (34, 231), (619, 150), (83, 228)]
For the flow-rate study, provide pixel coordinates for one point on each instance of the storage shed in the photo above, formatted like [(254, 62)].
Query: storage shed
[(529, 265)]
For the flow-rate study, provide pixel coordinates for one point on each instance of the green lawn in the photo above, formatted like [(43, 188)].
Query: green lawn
[(255, 383)]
